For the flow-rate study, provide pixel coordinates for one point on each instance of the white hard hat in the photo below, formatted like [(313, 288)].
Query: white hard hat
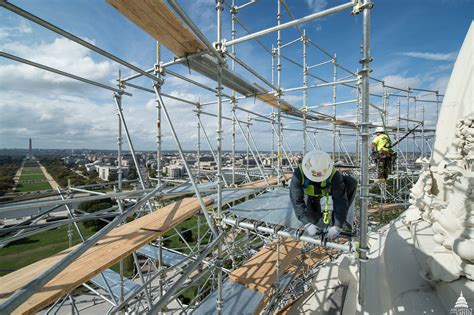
[(379, 129), (317, 166)]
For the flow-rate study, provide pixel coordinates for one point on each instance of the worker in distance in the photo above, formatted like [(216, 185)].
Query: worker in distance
[(315, 178), (382, 153)]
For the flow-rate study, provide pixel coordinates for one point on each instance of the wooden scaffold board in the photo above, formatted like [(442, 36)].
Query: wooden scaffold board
[(155, 18), (117, 244)]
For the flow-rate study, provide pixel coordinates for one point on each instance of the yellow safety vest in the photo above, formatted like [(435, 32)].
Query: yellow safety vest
[(382, 143), (309, 189), (325, 191)]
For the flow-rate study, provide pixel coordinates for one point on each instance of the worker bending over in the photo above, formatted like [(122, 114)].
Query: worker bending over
[(316, 177), (382, 152)]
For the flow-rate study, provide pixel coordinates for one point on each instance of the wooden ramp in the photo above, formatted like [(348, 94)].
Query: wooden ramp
[(117, 244)]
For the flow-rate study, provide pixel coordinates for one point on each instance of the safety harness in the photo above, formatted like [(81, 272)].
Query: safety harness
[(325, 186)]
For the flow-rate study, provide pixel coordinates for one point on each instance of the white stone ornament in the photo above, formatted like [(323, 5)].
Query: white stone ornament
[(443, 194)]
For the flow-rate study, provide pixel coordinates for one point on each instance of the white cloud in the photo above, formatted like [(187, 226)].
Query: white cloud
[(440, 84), (15, 31), (431, 56), (61, 54), (317, 5), (58, 112), (55, 110), (398, 81), (54, 119)]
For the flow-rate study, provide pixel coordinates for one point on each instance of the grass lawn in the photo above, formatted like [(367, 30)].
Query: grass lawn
[(175, 241), (29, 250), (31, 170), (32, 176), (25, 187), (31, 163)]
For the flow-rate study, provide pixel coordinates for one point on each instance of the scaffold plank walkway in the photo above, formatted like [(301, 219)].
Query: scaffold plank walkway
[(116, 245), (155, 18), (259, 272)]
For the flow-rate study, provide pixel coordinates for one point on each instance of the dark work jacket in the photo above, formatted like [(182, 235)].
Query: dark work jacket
[(342, 196)]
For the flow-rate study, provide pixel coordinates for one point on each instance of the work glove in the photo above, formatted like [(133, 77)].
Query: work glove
[(311, 229), (333, 232)]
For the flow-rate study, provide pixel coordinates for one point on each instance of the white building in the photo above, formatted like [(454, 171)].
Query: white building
[(106, 170), (175, 172)]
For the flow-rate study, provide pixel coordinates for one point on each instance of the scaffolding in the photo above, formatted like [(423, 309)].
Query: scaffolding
[(232, 236)]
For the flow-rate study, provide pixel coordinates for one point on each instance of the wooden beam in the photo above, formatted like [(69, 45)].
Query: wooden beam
[(155, 18), (116, 245)]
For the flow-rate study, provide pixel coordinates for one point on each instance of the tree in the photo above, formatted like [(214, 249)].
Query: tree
[(132, 173), (152, 172), (112, 177), (95, 206)]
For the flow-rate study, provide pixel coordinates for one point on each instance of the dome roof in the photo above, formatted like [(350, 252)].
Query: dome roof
[(461, 302)]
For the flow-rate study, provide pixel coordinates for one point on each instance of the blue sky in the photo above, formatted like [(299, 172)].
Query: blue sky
[(414, 43)]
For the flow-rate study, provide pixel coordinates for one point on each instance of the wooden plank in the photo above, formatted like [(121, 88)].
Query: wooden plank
[(155, 18), (117, 244), (16, 280), (261, 182), (385, 207), (312, 258), (259, 272)]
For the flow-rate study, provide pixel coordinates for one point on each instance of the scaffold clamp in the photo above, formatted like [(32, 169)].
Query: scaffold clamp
[(359, 6)]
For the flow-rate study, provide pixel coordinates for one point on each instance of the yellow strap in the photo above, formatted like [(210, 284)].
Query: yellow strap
[(326, 210)]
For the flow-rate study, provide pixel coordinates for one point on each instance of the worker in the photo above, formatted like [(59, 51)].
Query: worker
[(382, 152), (315, 178)]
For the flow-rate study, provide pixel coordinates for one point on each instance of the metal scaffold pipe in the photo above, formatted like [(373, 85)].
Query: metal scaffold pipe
[(219, 132), (209, 144), (158, 124), (59, 72), (72, 37), (195, 30), (233, 101), (289, 234), (279, 122), (334, 95), (279, 27), (364, 187), (304, 39), (249, 69), (249, 148), (119, 145), (209, 220), (22, 294), (118, 103), (178, 283)]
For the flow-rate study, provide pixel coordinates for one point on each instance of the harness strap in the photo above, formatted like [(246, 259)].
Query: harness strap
[(325, 191)]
